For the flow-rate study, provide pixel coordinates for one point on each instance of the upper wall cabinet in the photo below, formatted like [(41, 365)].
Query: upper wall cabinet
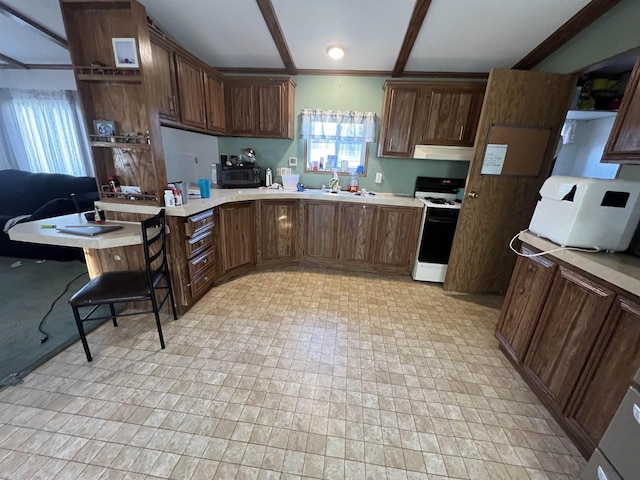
[(624, 142), (428, 113), (191, 90), (163, 85), (214, 97), (452, 116), (398, 120), (260, 107), (187, 92)]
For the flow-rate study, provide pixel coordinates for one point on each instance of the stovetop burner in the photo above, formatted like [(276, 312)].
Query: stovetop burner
[(440, 201)]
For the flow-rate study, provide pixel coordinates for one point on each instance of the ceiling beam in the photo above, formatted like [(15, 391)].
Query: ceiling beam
[(581, 20), (13, 62), (415, 24), (270, 18), (22, 19), (36, 66)]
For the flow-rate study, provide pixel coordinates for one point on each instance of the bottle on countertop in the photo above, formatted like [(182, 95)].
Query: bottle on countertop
[(353, 183), (268, 178), (169, 199), (334, 183)]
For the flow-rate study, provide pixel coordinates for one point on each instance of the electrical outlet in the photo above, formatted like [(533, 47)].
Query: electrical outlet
[(378, 177), (293, 161)]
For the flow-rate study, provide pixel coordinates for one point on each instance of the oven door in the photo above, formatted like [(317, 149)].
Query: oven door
[(437, 235)]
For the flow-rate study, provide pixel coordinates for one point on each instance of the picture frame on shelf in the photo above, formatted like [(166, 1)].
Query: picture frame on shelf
[(125, 52), (104, 129)]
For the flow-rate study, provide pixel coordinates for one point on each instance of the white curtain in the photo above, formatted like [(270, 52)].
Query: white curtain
[(335, 125), (42, 131)]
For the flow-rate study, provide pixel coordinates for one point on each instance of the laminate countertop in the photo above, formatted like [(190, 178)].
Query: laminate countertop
[(34, 232), (618, 269), (222, 196)]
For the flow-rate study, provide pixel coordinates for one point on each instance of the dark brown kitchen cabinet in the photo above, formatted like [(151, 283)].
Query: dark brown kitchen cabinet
[(320, 228), (214, 96), (451, 115), (277, 231), (606, 382), (240, 109), (428, 113), (396, 236), (624, 141), (163, 84), (356, 232), (191, 92), (527, 293), (260, 107), (573, 315), (398, 121), (237, 234)]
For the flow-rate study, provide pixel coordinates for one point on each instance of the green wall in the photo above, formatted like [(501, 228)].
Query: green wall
[(343, 93), (616, 31)]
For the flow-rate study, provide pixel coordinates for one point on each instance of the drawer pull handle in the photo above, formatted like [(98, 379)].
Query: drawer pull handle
[(206, 279), (204, 262), (202, 241), (636, 412), (601, 474)]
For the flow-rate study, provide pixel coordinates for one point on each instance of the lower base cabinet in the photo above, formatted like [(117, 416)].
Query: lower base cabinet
[(356, 234), (277, 231), (320, 234), (574, 339), (396, 236), (237, 234)]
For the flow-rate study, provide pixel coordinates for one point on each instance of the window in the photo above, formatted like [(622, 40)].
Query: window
[(42, 131), (337, 140)]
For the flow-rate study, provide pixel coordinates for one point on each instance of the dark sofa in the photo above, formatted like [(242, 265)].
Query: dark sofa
[(41, 195)]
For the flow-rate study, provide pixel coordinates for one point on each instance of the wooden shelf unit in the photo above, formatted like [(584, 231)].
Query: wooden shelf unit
[(121, 95)]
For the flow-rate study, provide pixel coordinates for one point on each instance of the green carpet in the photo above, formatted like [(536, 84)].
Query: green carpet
[(26, 293)]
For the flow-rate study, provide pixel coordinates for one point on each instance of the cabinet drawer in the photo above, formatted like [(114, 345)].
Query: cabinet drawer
[(620, 441), (199, 243), (201, 263), (198, 223), (599, 468), (203, 282)]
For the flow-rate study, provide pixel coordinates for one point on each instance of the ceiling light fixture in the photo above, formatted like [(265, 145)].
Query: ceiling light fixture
[(335, 52)]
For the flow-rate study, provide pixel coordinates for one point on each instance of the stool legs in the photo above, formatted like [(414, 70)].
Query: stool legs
[(113, 315), (83, 337)]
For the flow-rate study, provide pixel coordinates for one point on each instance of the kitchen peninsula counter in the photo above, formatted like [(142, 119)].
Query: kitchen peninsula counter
[(618, 269), (570, 324), (223, 196)]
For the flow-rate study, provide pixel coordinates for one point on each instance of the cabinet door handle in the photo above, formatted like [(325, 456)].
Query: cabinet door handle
[(204, 116), (172, 107), (390, 143), (636, 412), (461, 132)]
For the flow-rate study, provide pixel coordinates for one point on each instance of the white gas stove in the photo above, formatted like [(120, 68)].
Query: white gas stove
[(438, 226)]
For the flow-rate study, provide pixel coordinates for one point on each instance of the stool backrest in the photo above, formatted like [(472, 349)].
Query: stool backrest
[(154, 243)]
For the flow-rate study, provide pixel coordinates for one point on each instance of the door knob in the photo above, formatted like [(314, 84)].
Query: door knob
[(472, 195)]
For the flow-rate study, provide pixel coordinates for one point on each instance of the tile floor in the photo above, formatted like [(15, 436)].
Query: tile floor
[(288, 374)]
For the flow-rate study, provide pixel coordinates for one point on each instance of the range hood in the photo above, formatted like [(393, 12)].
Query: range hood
[(438, 152)]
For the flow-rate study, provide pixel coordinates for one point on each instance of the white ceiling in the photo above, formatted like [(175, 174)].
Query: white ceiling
[(23, 43), (456, 36)]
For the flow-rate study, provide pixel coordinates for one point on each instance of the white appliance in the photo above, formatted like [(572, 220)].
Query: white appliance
[(439, 220), (439, 152), (587, 212)]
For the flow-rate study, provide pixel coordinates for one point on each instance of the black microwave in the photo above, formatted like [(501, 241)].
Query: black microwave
[(236, 176)]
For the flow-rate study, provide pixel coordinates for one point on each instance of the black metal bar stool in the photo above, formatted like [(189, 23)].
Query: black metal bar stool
[(110, 288)]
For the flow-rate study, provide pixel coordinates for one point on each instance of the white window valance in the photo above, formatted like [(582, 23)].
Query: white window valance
[(335, 125)]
